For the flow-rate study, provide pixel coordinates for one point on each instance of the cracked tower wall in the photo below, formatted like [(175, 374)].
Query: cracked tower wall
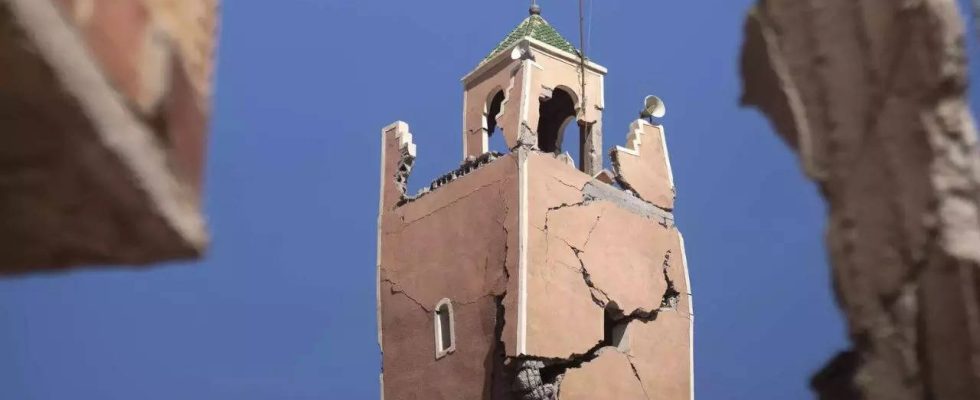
[(457, 242), (594, 249), (532, 270), (564, 282), (872, 97)]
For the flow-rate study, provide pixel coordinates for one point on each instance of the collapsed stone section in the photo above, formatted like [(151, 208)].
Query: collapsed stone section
[(530, 386), (397, 159), (469, 165)]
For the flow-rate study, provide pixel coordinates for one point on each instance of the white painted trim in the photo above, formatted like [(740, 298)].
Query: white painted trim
[(437, 328), (634, 141), (480, 69), (690, 300), (466, 134), (602, 93), (562, 55), (634, 138), (522, 297), (377, 265), (663, 142), (525, 94), (553, 51), (381, 209)]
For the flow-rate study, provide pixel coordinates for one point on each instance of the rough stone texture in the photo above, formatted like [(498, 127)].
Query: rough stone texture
[(871, 96), (609, 376), (104, 108), (642, 165)]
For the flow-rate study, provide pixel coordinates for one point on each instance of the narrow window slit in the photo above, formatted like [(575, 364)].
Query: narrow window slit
[(445, 334)]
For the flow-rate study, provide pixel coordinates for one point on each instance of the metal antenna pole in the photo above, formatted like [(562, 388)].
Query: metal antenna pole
[(583, 125)]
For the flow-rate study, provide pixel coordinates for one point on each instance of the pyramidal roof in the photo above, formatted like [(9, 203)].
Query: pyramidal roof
[(534, 27)]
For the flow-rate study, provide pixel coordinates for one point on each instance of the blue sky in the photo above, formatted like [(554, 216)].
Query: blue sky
[(282, 307)]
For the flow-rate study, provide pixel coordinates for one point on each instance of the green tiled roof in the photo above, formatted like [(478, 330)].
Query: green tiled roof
[(536, 27)]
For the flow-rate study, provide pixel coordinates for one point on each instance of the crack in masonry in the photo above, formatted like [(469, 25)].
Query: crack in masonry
[(503, 225), (622, 181), (595, 224), (498, 371), (671, 295), (539, 378), (586, 200), (404, 170), (499, 352), (587, 277), (563, 183), (637, 374), (396, 289), (451, 203)]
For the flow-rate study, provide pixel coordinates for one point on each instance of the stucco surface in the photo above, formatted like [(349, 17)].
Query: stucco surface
[(433, 247), (642, 165), (609, 376), (661, 353), (871, 95)]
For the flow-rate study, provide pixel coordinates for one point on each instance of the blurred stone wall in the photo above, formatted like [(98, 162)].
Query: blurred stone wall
[(872, 96), (104, 108)]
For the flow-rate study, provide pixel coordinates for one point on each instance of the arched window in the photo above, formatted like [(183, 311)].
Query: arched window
[(495, 138), (555, 115), (445, 328)]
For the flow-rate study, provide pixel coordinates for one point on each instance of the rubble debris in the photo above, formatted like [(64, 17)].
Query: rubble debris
[(469, 165)]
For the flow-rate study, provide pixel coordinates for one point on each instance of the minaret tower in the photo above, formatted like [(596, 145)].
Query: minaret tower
[(527, 274)]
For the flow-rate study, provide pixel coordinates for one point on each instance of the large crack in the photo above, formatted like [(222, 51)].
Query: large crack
[(396, 289), (587, 277), (498, 382), (638, 378), (624, 182), (539, 378)]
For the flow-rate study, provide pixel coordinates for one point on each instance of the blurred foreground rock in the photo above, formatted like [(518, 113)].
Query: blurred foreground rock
[(104, 108), (872, 96)]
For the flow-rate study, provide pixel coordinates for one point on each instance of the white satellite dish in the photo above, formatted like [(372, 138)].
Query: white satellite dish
[(653, 107)]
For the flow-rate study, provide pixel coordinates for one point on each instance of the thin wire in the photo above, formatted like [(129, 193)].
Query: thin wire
[(581, 39), (591, 13)]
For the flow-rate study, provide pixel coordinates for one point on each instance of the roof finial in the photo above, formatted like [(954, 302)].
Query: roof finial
[(535, 8)]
